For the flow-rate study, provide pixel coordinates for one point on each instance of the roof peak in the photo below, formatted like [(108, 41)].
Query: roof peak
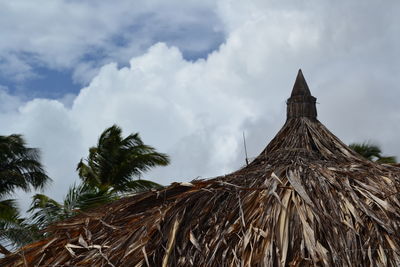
[(301, 103), (300, 86)]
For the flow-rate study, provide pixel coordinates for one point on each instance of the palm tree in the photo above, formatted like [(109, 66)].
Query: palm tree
[(117, 162), (20, 168), (372, 152), (109, 171), (14, 230), (46, 210)]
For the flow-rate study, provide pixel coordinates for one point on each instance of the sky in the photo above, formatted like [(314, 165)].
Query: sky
[(192, 76)]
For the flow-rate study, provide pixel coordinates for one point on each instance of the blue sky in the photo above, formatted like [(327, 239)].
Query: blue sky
[(191, 76), (47, 83), (196, 38), (53, 83)]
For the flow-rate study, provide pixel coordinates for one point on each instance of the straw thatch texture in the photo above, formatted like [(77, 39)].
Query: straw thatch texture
[(306, 200)]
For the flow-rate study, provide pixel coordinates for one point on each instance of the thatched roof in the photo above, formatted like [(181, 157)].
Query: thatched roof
[(307, 199)]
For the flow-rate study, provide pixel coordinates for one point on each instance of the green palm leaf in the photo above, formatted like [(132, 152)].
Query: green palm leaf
[(117, 161), (20, 168), (372, 152)]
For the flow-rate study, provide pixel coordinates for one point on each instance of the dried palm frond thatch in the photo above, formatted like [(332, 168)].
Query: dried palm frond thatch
[(306, 200)]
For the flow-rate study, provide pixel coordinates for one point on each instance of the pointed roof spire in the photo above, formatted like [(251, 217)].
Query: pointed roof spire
[(300, 86), (301, 103)]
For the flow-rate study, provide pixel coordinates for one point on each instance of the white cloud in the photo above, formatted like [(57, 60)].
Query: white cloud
[(196, 111)]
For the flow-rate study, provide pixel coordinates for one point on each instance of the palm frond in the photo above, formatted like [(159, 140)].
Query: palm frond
[(84, 197), (372, 152), (20, 166), (18, 233), (137, 186), (367, 150), (116, 160), (8, 210), (14, 230), (45, 210), (388, 159)]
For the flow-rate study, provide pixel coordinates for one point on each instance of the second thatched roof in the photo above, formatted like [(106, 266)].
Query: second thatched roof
[(306, 200)]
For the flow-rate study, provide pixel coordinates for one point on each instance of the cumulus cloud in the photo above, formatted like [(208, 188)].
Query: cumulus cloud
[(197, 110)]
